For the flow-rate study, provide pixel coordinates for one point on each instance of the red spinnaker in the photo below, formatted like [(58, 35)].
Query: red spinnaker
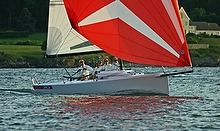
[(140, 31)]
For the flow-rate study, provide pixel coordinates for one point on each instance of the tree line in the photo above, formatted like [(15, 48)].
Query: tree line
[(202, 10), (24, 15), (32, 15)]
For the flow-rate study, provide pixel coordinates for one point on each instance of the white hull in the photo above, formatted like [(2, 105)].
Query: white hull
[(146, 83)]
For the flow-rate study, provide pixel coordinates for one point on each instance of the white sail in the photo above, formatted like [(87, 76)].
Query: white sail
[(62, 38)]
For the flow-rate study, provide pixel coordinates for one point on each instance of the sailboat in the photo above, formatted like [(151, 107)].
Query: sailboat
[(140, 31)]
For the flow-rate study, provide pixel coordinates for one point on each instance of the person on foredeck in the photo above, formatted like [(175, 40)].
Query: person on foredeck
[(84, 71)]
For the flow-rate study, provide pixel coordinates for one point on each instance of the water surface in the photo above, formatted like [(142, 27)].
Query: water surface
[(193, 104)]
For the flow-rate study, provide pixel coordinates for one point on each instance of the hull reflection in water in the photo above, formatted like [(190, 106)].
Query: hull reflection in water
[(121, 107)]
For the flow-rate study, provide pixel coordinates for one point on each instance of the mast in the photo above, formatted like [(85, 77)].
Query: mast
[(120, 64)]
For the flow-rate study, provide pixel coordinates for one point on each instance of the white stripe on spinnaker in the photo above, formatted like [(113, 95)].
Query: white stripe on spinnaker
[(117, 9), (171, 11)]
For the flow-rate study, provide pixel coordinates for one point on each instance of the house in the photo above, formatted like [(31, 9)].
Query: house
[(207, 28), (186, 22), (198, 27)]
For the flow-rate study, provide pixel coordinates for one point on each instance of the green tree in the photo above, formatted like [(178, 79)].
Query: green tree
[(26, 22), (8, 14), (44, 45), (192, 38), (211, 8), (212, 17), (40, 10), (197, 14)]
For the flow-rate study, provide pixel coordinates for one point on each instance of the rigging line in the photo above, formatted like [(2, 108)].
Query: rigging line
[(84, 40), (66, 71), (78, 36), (47, 65), (63, 41), (163, 69)]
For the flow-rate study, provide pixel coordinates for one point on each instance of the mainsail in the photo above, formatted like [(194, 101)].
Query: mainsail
[(62, 39), (140, 31)]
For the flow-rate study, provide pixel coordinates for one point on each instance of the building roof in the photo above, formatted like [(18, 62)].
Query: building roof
[(184, 12), (205, 25)]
